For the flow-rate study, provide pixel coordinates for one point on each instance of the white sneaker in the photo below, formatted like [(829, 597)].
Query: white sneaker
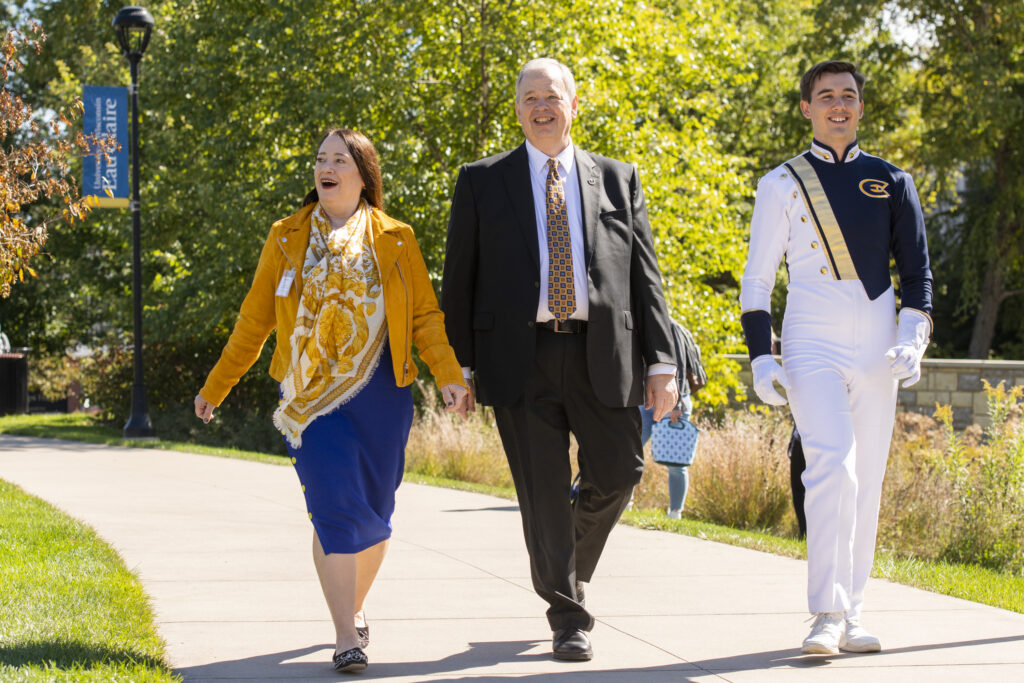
[(675, 514), (826, 633), (856, 639)]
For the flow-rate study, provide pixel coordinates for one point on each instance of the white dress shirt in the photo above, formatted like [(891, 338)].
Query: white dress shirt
[(569, 174)]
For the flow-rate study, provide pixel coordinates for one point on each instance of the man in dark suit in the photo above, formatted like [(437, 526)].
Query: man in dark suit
[(552, 297)]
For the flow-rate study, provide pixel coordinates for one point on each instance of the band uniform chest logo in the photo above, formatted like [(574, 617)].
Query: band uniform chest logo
[(874, 188)]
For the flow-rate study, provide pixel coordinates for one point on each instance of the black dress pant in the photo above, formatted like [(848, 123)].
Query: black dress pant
[(797, 465), (565, 539)]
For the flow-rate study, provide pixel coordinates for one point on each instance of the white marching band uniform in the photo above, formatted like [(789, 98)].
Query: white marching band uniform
[(837, 220)]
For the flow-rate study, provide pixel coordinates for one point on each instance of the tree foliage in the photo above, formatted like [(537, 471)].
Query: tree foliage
[(34, 162), (701, 95), (234, 95), (961, 68)]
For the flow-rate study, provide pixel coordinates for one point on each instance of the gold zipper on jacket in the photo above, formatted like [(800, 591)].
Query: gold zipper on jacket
[(408, 332)]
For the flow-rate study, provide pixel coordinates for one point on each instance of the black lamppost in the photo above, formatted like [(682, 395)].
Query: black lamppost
[(133, 26)]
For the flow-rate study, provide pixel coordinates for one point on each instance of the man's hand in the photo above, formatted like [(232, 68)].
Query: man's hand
[(766, 371), (911, 340), (662, 394), (467, 375)]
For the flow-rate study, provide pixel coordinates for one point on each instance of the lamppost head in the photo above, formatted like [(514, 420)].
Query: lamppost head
[(133, 25)]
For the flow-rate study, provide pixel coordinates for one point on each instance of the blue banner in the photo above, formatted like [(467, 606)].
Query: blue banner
[(105, 179)]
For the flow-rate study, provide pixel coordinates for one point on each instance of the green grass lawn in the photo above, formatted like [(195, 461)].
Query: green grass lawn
[(69, 609), (962, 581), (958, 580), (83, 427)]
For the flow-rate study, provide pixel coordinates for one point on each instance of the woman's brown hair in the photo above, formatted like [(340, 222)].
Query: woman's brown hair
[(365, 156)]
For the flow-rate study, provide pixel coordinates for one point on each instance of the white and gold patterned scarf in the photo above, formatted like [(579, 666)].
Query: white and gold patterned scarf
[(340, 327)]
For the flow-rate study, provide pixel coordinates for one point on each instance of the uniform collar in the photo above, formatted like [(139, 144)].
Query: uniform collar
[(539, 160), (825, 153)]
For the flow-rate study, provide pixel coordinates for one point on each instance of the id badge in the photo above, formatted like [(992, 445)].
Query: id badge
[(287, 278)]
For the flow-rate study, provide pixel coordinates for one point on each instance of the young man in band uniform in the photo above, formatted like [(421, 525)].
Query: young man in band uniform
[(837, 215)]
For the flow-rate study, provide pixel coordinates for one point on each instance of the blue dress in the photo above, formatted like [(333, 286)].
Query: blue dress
[(351, 461)]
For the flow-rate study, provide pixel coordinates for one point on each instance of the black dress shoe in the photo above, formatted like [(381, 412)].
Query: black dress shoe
[(571, 644), (350, 661)]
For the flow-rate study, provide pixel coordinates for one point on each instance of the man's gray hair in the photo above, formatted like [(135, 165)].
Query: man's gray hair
[(542, 62)]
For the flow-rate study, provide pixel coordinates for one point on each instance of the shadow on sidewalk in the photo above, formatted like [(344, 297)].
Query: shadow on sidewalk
[(493, 654), (278, 664), (792, 658)]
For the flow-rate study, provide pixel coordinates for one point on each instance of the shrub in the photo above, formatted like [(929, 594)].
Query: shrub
[(173, 374), (444, 445), (740, 476), (917, 495), (988, 485), (50, 376)]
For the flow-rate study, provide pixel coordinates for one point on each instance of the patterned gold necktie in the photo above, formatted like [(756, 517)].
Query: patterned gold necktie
[(561, 291)]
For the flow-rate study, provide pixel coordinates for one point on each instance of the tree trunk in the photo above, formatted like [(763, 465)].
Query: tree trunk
[(989, 300)]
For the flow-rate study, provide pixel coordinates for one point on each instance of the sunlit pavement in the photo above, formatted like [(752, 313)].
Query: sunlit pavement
[(223, 548)]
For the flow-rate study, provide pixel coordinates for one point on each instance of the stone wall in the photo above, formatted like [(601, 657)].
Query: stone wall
[(949, 382)]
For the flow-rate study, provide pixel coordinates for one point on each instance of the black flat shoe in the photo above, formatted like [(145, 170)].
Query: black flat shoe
[(571, 644), (350, 661)]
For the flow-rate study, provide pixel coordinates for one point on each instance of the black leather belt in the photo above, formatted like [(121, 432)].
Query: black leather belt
[(568, 327)]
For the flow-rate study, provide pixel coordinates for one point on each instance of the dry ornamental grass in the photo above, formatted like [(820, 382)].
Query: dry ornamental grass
[(947, 496)]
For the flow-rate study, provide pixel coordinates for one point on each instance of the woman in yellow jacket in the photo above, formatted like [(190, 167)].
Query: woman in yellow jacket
[(347, 290)]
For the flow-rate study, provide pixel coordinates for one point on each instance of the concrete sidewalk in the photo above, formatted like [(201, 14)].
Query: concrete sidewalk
[(222, 547)]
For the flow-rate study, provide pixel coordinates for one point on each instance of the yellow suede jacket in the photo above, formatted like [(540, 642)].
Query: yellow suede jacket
[(410, 307)]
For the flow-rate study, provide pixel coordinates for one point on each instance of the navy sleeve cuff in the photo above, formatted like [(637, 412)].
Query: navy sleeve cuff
[(916, 293), (757, 328)]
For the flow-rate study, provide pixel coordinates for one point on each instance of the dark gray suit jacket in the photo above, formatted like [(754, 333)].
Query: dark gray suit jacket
[(491, 284)]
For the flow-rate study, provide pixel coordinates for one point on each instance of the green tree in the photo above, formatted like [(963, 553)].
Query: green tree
[(82, 293), (33, 161), (234, 95), (963, 63)]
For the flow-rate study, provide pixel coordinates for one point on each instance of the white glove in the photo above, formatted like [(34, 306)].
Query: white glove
[(766, 371), (912, 335)]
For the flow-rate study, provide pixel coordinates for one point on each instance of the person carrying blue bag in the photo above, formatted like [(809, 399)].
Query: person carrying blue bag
[(677, 436)]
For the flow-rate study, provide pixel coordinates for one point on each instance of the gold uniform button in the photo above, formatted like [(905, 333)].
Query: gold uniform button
[(311, 515), (824, 270), (303, 488), (851, 156), (294, 460), (794, 195), (827, 156), (814, 245), (803, 219)]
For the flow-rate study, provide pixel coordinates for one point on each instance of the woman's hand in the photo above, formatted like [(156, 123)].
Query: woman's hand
[(456, 399), (204, 410)]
